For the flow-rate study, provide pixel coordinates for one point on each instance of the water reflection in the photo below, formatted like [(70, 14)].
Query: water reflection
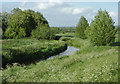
[(70, 51)]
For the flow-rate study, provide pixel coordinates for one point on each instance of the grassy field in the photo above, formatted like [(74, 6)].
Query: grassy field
[(28, 50), (89, 64), (66, 34)]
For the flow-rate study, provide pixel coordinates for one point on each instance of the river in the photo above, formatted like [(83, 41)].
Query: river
[(70, 51)]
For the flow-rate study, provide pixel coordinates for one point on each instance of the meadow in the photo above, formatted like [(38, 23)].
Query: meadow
[(89, 64), (28, 41), (28, 50)]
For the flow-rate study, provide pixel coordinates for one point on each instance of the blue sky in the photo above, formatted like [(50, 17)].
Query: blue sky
[(65, 13)]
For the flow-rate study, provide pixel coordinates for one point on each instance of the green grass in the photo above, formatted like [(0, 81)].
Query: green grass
[(27, 50), (66, 34), (89, 64)]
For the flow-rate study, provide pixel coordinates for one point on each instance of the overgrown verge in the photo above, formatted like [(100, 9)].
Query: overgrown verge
[(28, 53)]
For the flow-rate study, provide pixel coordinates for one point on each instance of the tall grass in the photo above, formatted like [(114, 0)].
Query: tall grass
[(89, 64), (27, 50)]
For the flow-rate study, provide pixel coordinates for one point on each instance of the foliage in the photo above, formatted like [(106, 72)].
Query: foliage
[(1, 27), (55, 29), (66, 34), (41, 32), (23, 21), (65, 38), (81, 27), (102, 30), (15, 33), (64, 30), (15, 10), (52, 33), (4, 18), (22, 51), (89, 64)]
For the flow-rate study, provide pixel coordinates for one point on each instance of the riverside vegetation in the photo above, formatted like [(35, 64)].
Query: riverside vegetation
[(89, 64), (28, 50), (96, 60)]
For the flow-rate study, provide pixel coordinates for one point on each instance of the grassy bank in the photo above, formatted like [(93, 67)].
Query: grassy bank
[(89, 64), (28, 50), (66, 34)]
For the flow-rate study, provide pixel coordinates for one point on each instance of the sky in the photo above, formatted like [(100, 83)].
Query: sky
[(65, 14)]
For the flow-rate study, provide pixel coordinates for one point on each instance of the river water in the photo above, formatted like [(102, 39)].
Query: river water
[(70, 51)]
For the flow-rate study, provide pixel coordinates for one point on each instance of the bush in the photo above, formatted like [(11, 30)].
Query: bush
[(102, 30)]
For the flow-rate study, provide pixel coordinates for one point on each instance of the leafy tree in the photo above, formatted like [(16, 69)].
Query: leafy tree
[(102, 30), (53, 32), (41, 32), (56, 30), (39, 19), (15, 23), (81, 27), (24, 21), (15, 10), (4, 20), (0, 27), (15, 33)]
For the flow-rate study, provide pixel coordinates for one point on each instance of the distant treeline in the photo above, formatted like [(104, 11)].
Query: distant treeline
[(64, 29)]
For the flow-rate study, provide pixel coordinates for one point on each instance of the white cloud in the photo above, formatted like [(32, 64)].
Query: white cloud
[(24, 2), (75, 11), (113, 14), (42, 6), (56, 1), (67, 10), (53, 10), (50, 3)]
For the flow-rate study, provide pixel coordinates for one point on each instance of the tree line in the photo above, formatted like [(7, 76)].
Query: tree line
[(28, 23), (101, 30)]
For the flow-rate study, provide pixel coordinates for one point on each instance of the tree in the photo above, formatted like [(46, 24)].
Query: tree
[(24, 21), (0, 27), (41, 32), (15, 10), (16, 22), (102, 30), (81, 27), (4, 20)]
